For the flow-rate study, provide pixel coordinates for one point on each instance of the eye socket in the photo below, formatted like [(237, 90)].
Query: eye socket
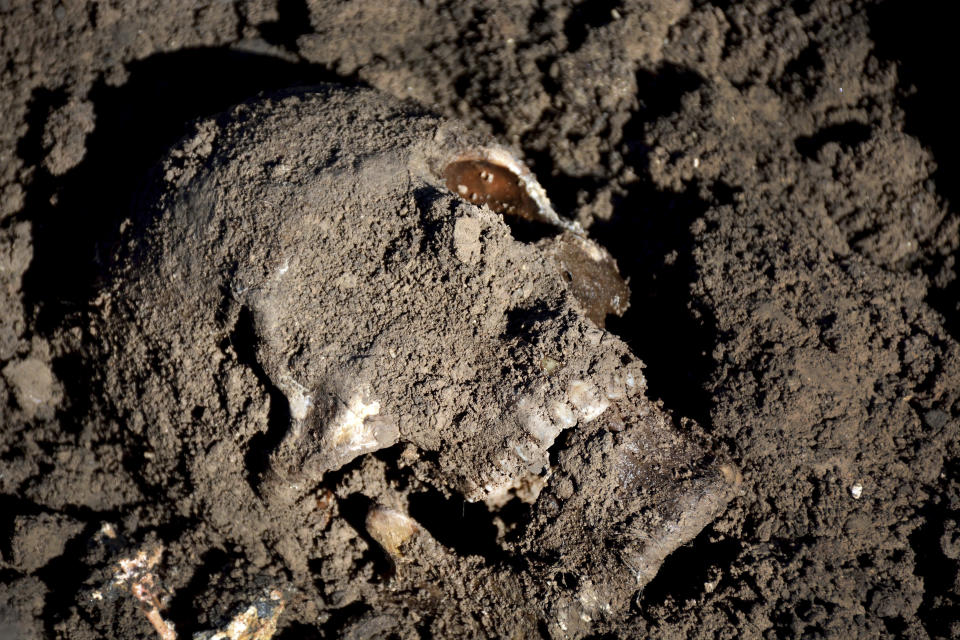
[(590, 273), (484, 182)]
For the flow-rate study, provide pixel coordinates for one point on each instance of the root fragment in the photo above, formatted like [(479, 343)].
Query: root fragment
[(137, 573)]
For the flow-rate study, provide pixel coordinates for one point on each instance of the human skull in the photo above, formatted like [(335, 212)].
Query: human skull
[(362, 247), (384, 306)]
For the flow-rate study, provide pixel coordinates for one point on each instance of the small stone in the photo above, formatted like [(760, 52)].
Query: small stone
[(549, 365), (33, 384), (466, 239), (37, 540)]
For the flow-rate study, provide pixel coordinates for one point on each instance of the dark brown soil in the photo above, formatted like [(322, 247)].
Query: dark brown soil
[(774, 179)]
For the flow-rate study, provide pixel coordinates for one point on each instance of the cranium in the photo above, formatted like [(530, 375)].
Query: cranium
[(363, 243)]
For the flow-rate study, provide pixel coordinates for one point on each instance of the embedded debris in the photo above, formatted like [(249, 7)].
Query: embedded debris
[(136, 575), (255, 622)]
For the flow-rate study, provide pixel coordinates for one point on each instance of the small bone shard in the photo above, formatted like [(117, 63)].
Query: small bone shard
[(139, 575), (258, 621), (484, 182)]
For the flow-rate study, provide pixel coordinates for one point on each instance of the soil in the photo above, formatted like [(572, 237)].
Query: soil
[(775, 181)]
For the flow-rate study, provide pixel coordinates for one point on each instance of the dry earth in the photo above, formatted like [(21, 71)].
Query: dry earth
[(774, 178)]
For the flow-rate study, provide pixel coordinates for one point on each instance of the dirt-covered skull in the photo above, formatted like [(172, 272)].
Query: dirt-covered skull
[(328, 273), (384, 304)]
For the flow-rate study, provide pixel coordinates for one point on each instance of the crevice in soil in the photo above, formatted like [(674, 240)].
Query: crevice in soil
[(353, 509), (181, 610), (650, 236), (804, 73), (298, 631), (293, 21), (562, 189), (73, 371), (684, 572), (340, 618), (243, 339), (42, 102), (659, 94), (940, 604), (64, 577), (587, 16), (846, 134), (465, 527), (521, 322), (919, 42)]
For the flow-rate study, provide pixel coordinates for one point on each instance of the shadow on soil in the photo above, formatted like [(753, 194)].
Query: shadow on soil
[(649, 235), (941, 605), (921, 42), (686, 570)]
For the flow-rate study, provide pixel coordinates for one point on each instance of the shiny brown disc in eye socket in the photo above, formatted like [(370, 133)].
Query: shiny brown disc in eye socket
[(484, 182), (590, 272)]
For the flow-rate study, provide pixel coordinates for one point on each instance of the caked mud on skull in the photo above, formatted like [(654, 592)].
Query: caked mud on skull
[(506, 353), (389, 300), (329, 273)]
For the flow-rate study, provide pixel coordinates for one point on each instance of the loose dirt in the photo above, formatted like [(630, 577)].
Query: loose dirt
[(775, 181)]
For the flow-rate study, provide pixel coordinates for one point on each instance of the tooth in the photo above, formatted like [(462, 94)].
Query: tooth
[(586, 398), (391, 529)]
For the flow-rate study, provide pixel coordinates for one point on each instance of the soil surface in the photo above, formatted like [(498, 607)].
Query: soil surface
[(775, 180)]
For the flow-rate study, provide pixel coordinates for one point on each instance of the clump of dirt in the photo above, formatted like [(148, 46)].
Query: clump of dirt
[(773, 179)]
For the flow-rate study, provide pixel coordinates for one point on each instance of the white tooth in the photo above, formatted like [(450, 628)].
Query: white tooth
[(586, 398), (536, 423), (541, 428), (563, 414), (350, 429), (520, 452)]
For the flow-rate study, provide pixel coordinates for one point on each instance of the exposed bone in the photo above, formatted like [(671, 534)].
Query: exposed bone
[(138, 575)]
